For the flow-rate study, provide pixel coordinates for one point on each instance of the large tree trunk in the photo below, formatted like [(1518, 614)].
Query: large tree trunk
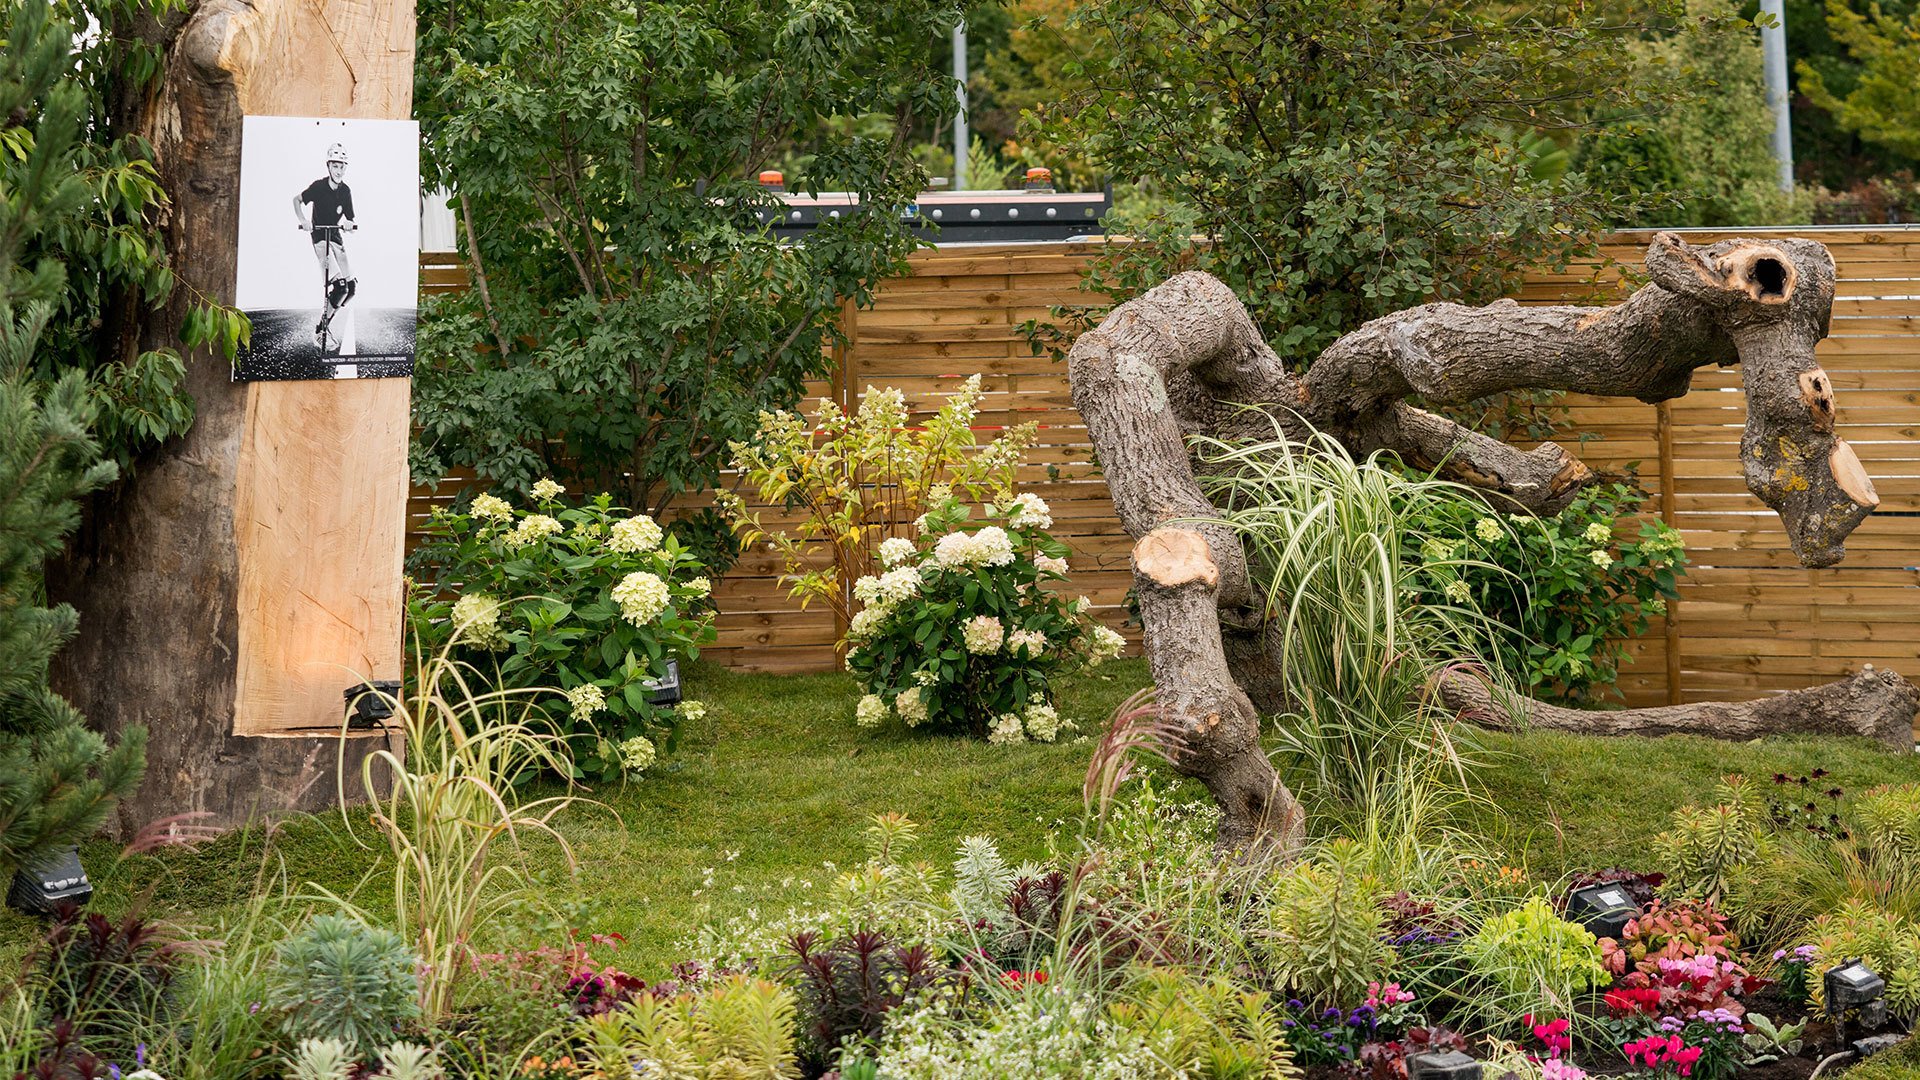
[(1185, 359), (211, 547)]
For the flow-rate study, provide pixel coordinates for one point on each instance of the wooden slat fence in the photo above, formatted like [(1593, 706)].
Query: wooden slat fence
[(1750, 619)]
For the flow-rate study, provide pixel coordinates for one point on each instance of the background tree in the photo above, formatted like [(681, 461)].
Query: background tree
[(1825, 152), (57, 779), (630, 314), (1710, 145), (1336, 162), (1881, 102)]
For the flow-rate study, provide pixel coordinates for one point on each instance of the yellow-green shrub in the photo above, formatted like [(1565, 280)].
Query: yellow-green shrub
[(739, 1029)]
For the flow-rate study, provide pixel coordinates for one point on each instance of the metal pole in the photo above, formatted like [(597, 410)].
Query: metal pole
[(960, 137), (1773, 53)]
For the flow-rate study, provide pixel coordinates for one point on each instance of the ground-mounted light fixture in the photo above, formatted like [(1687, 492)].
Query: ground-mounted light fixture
[(370, 704), (664, 690), (1856, 994), (41, 885), (1442, 1065), (1603, 909)]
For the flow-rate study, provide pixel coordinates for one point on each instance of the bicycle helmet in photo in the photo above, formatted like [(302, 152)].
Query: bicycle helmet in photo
[(338, 153)]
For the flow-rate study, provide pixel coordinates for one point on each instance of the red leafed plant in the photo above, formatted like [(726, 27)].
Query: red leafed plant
[(1388, 1060), (1684, 988), (1680, 930)]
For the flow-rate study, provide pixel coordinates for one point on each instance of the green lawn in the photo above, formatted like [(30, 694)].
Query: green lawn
[(776, 782)]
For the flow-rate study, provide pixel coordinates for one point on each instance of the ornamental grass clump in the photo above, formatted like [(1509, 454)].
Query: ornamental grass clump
[(961, 631), (1330, 539), (582, 605)]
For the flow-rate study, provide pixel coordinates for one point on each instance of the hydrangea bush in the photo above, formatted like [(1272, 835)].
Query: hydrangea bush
[(590, 601), (958, 631), (1565, 591)]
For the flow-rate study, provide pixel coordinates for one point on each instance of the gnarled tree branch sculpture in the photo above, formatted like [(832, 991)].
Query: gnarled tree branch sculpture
[(1184, 359)]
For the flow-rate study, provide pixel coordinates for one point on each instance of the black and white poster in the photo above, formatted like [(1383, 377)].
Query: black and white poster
[(329, 261)]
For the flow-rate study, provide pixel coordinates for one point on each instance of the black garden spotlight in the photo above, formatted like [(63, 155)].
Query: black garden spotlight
[(1856, 991), (1442, 1065), (370, 704), (1604, 909), (41, 885)]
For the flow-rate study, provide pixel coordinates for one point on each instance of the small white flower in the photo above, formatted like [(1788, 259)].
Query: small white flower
[(900, 584), (635, 536), (699, 586), (1106, 644), (1437, 551), (476, 619), (1007, 730), (866, 622), (896, 550), (532, 529), (637, 753), (1030, 511), (1459, 591), (491, 508), (547, 490), (1600, 558), (870, 711), (691, 710), (912, 706), (983, 635), (1598, 533), (585, 700), (867, 590), (926, 676), (1047, 564), (642, 597), (1487, 529), (1043, 723), (1083, 605), (1033, 641), (923, 524)]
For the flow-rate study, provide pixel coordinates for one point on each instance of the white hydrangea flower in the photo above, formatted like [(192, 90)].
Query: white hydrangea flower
[(983, 635), (954, 550), (1459, 591), (585, 700), (635, 536), (867, 589), (1601, 558), (870, 711), (912, 706), (1437, 551), (898, 585), (637, 753), (895, 550), (547, 490), (1043, 723), (866, 622), (491, 508), (1030, 511), (993, 547), (532, 529), (1034, 640), (699, 586), (691, 710), (1047, 564), (1106, 644), (923, 524), (476, 619), (1083, 605), (1007, 729), (1487, 529), (642, 596), (926, 676), (1598, 533), (1655, 606)]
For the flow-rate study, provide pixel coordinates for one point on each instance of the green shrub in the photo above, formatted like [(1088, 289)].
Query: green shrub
[(738, 1029), (339, 979), (1888, 944), (1888, 821), (1562, 592), (1206, 1026), (962, 634), (1709, 853), (1533, 961), (579, 606), (1323, 926), (847, 484)]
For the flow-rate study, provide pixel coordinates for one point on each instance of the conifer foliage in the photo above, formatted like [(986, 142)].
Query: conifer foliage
[(57, 779)]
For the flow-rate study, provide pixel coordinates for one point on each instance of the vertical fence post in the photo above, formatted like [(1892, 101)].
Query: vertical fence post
[(1664, 425), (845, 360)]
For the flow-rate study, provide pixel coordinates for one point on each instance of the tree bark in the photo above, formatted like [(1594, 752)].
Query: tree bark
[(157, 572), (1184, 359)]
